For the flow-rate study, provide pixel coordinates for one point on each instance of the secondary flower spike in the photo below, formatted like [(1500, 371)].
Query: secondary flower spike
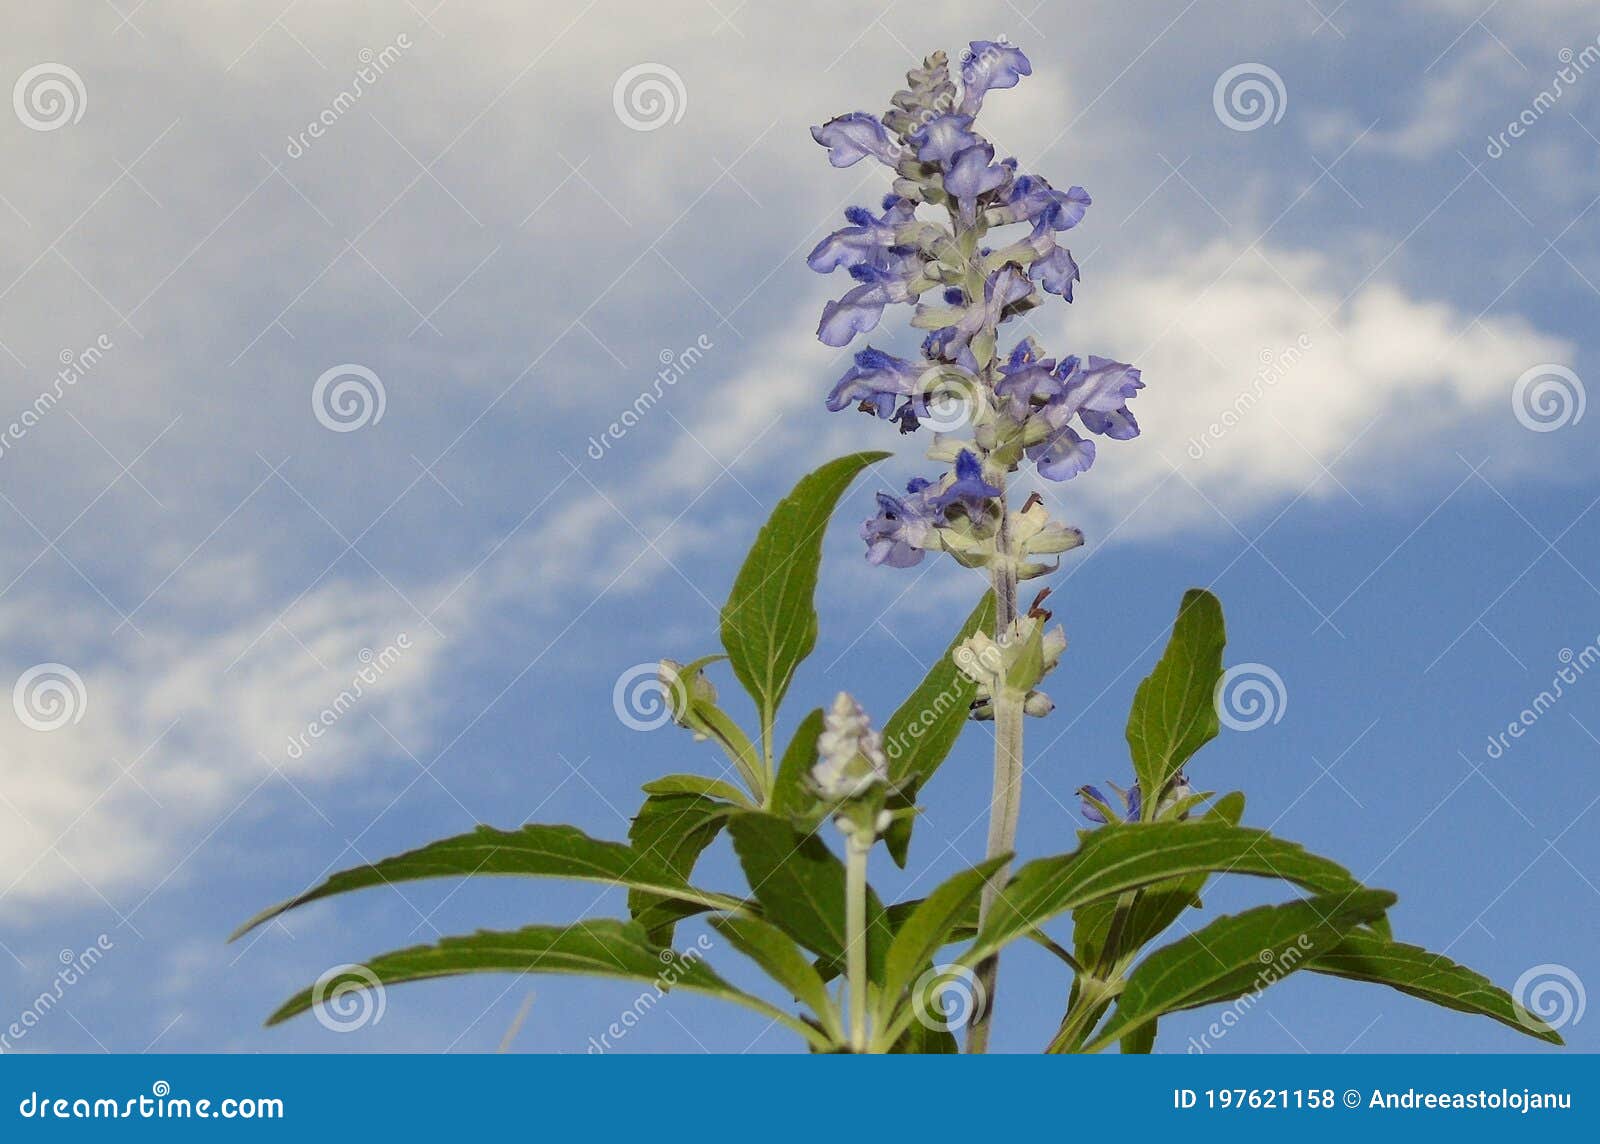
[(962, 287)]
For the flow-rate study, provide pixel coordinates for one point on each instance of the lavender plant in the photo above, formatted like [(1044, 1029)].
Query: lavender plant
[(857, 975)]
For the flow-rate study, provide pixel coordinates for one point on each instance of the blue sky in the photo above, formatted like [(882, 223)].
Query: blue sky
[(483, 233)]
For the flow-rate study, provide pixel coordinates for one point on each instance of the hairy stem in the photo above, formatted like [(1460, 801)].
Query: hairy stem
[(1005, 800), (859, 846)]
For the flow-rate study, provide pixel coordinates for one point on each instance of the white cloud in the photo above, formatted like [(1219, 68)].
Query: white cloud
[(1258, 375)]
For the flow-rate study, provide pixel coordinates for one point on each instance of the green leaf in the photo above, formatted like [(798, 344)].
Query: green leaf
[(536, 851), (769, 624), (1117, 858), (1174, 713), (791, 797), (599, 948), (926, 1040), (1364, 956), (800, 885), (1141, 1040), (784, 961), (919, 736), (700, 785), (928, 928), (1234, 955), (1157, 906), (672, 830)]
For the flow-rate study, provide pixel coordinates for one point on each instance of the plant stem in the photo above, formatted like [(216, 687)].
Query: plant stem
[(1005, 801), (857, 849)]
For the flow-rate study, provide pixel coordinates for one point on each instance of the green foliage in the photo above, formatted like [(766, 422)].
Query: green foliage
[(1174, 714), (769, 624), (1124, 884), (1235, 955), (533, 851), (1364, 956), (920, 734)]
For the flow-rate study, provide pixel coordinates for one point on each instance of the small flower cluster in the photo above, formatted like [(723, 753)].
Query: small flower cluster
[(851, 774), (1018, 404)]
